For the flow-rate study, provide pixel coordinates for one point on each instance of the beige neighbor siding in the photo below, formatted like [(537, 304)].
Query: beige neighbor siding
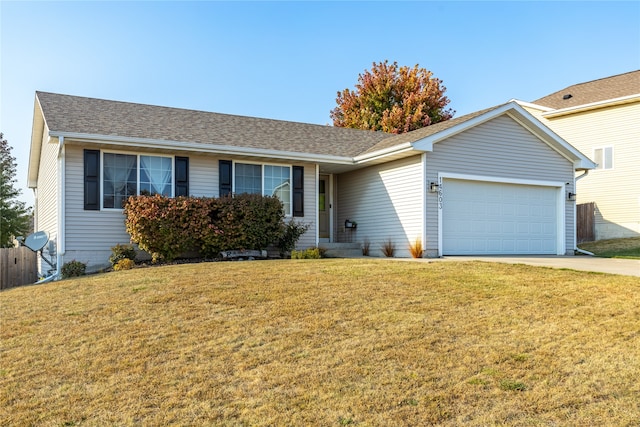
[(616, 191), (90, 235), (502, 149), (386, 202), (47, 194)]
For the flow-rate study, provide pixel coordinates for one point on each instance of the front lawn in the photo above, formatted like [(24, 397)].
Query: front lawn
[(323, 342), (614, 248)]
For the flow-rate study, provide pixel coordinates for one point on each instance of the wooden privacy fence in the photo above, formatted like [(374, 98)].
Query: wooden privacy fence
[(18, 266), (585, 218)]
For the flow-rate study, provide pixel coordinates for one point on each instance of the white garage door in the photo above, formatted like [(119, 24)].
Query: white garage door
[(496, 218)]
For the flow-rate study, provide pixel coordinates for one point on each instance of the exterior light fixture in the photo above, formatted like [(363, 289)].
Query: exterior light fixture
[(571, 196), (433, 187)]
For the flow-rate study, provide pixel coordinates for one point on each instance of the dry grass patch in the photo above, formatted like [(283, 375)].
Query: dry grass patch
[(323, 342)]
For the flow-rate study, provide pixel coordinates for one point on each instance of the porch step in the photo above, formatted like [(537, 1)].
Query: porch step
[(341, 250)]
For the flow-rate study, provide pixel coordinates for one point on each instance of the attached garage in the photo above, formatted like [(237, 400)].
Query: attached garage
[(496, 218)]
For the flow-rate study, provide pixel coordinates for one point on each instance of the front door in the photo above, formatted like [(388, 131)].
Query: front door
[(323, 207)]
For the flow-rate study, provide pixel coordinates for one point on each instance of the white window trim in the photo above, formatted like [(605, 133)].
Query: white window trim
[(262, 165), (137, 154), (604, 160)]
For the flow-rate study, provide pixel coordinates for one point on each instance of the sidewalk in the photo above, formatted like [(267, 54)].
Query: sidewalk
[(627, 267)]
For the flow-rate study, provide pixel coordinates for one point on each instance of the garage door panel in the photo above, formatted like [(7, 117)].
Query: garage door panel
[(498, 218)]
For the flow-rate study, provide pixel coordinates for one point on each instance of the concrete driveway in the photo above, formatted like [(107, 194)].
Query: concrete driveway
[(628, 267)]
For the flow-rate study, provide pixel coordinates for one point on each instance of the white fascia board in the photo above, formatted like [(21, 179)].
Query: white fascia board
[(203, 148), (37, 134), (531, 105), (396, 149), (592, 106)]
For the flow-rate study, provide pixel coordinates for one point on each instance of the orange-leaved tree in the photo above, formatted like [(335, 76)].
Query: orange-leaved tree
[(392, 99)]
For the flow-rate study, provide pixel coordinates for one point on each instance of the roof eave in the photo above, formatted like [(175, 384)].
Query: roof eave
[(526, 119), (202, 148), (384, 153), (35, 149), (592, 106)]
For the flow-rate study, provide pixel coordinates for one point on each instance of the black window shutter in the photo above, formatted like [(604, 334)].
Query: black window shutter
[(182, 176), (92, 180), (298, 191), (226, 178)]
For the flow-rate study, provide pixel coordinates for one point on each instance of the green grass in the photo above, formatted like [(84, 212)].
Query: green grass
[(614, 248), (323, 342)]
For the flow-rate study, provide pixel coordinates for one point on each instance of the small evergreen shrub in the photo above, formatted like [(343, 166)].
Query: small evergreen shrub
[(311, 253), (120, 252), (124, 264), (73, 269)]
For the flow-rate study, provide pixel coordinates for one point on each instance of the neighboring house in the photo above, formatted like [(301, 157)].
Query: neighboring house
[(601, 118), (492, 182)]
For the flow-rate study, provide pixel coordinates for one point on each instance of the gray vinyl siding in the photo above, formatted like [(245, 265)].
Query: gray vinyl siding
[(47, 190), (91, 234), (385, 201), (500, 148)]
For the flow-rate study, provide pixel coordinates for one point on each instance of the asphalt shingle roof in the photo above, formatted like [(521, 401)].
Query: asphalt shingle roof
[(594, 91), (74, 114)]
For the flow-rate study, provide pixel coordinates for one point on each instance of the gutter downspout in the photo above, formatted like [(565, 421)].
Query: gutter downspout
[(61, 208), (575, 238)]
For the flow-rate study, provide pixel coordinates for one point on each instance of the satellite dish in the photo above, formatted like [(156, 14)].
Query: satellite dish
[(36, 241)]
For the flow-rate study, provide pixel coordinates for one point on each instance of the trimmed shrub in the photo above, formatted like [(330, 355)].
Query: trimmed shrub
[(311, 253), (163, 226), (124, 264), (167, 227), (73, 269), (120, 252)]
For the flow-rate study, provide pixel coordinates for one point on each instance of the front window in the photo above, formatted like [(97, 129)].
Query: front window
[(267, 180), (155, 175), (248, 179), (277, 182), (120, 179), (127, 175)]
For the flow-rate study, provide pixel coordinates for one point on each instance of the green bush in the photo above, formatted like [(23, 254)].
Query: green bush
[(120, 252), (73, 269), (290, 234), (124, 264), (311, 253), (167, 227)]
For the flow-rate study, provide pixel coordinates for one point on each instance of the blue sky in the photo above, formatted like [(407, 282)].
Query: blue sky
[(287, 60)]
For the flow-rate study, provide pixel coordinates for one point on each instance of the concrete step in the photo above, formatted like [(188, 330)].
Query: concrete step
[(341, 250)]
